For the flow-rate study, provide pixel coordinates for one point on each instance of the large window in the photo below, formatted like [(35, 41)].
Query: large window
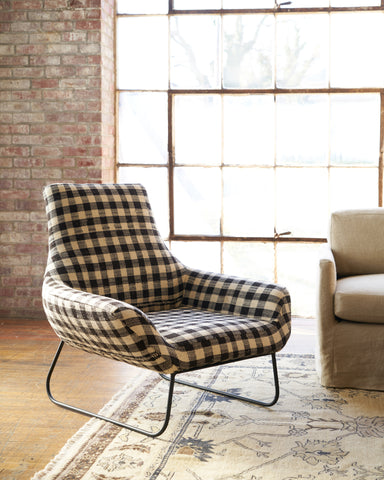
[(249, 122)]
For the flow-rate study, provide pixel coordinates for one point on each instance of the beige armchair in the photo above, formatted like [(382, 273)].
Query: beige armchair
[(351, 301)]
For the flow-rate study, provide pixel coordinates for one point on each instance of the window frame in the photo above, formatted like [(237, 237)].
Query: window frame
[(278, 237)]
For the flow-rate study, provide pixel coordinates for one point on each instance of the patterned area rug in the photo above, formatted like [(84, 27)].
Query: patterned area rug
[(312, 433)]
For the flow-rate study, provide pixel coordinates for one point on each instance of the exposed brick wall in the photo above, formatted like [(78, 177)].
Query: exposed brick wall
[(56, 125)]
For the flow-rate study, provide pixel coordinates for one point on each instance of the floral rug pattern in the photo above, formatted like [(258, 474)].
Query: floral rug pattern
[(312, 433)]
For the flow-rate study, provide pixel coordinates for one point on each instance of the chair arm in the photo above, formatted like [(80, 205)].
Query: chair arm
[(232, 295), (101, 325), (326, 285)]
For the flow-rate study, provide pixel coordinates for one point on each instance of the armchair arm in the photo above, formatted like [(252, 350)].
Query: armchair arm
[(326, 321), (102, 325), (232, 295), (326, 287)]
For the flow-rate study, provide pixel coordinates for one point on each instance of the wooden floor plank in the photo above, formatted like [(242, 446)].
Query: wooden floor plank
[(33, 429)]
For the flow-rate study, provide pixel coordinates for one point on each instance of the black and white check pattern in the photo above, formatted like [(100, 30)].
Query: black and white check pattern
[(113, 288)]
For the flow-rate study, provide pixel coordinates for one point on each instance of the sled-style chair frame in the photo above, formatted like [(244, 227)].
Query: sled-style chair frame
[(113, 288)]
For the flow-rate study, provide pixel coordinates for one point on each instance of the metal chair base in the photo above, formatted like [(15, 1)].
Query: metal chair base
[(172, 381), (233, 395), (108, 419)]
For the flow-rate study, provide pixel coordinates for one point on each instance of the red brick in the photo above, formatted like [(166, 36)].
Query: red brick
[(57, 26), (45, 151), (28, 205), (17, 281), (15, 173), (66, 71), (28, 162), (78, 37), (46, 37), (13, 260), (27, 139), (14, 194), (46, 173), (34, 249), (88, 25), (26, 95), (87, 163), (53, 4), (27, 4), (45, 60), (31, 226), (6, 60), (6, 292), (61, 117), (89, 117), (74, 151), (15, 84), (28, 117), (77, 175), (18, 26), (47, 128), (45, 83), (28, 292), (7, 49), (30, 49), (74, 129), (60, 162), (14, 151)]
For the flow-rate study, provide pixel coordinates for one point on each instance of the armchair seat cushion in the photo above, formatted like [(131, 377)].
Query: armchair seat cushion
[(360, 298), (198, 338)]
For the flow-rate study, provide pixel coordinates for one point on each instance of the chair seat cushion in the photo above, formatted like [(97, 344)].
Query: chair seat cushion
[(360, 298), (200, 338)]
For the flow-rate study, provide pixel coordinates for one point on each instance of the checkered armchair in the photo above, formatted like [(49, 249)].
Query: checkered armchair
[(113, 288)]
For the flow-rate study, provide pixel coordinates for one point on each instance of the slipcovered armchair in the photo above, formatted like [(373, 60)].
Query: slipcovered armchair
[(113, 288), (351, 301)]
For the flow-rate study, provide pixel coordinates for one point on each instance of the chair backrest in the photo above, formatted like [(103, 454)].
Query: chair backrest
[(357, 241), (103, 240)]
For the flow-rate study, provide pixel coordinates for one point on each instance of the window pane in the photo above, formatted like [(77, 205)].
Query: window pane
[(357, 49), (248, 51), (302, 130), (142, 53), (354, 188), (297, 267), (250, 260), (197, 4), (195, 59), (143, 128), (248, 4), (249, 204), (302, 201), (302, 51), (201, 255), (355, 3), (355, 129), (305, 3), (197, 200), (249, 126), (155, 180), (142, 6), (197, 127)]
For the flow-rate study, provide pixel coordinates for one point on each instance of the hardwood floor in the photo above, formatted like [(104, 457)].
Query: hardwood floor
[(32, 429)]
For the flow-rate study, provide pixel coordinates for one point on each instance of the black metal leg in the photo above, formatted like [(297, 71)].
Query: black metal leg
[(238, 397), (101, 417)]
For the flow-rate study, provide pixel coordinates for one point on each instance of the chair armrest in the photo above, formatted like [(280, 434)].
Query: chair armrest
[(101, 325), (326, 285), (236, 296)]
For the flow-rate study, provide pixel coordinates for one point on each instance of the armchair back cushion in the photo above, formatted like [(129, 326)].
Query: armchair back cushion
[(103, 254), (356, 239)]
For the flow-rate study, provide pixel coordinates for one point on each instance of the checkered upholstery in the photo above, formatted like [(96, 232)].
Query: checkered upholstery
[(112, 287)]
